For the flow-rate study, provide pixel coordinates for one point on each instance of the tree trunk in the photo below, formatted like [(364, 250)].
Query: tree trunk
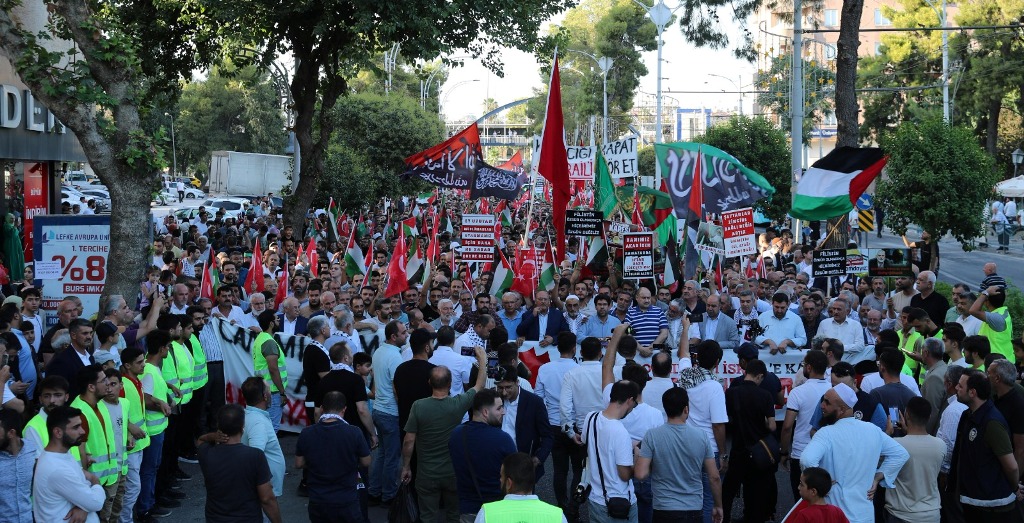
[(992, 130), (130, 234)]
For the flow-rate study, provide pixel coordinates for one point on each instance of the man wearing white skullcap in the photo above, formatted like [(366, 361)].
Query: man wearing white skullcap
[(849, 449)]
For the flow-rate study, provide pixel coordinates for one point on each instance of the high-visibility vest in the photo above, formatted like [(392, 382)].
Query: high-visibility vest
[(120, 459), (177, 370), (1000, 341), (156, 421), (519, 510), (259, 361), (909, 366), (200, 376), (100, 443), (38, 424), (136, 411)]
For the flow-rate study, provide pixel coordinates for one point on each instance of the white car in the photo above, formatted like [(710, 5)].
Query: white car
[(191, 193), (233, 207), (101, 196)]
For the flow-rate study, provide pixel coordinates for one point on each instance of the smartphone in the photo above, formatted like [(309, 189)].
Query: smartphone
[(492, 367), (467, 351), (894, 415)]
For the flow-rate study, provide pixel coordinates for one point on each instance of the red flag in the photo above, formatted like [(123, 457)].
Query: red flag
[(468, 279), (638, 217), (314, 259), (485, 206), (206, 287), (514, 164), (533, 362), (254, 280), (398, 281), (282, 289), (697, 192), (298, 255), (525, 281), (553, 163)]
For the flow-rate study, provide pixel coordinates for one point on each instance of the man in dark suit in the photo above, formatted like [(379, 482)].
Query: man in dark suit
[(68, 362), (526, 418), (290, 320), (542, 323)]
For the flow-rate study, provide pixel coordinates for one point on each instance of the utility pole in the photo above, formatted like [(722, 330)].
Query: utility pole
[(796, 106)]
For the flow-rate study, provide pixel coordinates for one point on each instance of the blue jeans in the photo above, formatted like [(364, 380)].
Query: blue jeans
[(274, 409), (709, 499), (644, 500), (385, 467), (147, 473), (599, 513)]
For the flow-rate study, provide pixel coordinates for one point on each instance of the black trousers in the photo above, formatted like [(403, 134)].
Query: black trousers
[(214, 394), (794, 478), (189, 429), (169, 456), (757, 487), (565, 453)]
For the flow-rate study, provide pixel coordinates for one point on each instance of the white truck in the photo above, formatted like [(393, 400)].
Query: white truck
[(233, 173)]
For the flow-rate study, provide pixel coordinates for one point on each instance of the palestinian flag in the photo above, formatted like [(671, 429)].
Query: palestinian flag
[(409, 227), (332, 213), (547, 271), (504, 214), (415, 262), (597, 255), (650, 208), (605, 199), (503, 275), (446, 223), (211, 279), (831, 186), (354, 261)]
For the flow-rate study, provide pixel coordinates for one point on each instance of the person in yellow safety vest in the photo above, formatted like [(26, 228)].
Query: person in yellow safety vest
[(926, 328), (997, 326), (99, 444), (159, 399), (191, 412), (518, 477), (125, 434), (269, 363), (178, 366), (53, 393), (133, 363), (170, 324)]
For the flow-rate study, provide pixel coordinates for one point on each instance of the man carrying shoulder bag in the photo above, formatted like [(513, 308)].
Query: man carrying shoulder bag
[(610, 458)]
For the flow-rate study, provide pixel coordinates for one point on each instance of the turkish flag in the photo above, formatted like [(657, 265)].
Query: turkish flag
[(553, 161), (398, 281), (527, 272), (533, 362), (254, 279)]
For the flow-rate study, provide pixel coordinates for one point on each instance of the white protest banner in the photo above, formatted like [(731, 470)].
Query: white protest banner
[(638, 255), (710, 238), (621, 157), (77, 246), (581, 163), (477, 237), (738, 229)]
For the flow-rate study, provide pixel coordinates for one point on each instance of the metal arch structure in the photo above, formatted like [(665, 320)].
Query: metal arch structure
[(502, 108)]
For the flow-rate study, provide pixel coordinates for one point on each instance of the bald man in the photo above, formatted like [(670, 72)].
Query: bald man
[(719, 327)]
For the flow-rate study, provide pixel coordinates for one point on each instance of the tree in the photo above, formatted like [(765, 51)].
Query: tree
[(97, 68), (374, 135), (775, 85), (617, 29), (332, 41), (231, 110), (761, 146), (938, 178)]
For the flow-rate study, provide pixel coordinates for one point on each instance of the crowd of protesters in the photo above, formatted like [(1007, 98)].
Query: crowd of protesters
[(906, 405)]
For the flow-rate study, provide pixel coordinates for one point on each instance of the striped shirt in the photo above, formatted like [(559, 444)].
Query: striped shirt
[(646, 324), (210, 340), (993, 279)]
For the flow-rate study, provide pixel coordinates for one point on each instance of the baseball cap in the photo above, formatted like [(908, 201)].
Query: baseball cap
[(13, 299), (747, 351)]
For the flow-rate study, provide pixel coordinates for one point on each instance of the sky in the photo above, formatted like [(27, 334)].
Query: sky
[(685, 68)]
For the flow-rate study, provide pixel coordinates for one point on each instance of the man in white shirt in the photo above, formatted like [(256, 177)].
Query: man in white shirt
[(60, 484), (565, 451), (609, 443), (581, 390), (257, 304), (459, 365), (707, 409), (661, 369), (783, 329), (179, 299), (800, 407), (840, 327), (971, 324), (226, 307)]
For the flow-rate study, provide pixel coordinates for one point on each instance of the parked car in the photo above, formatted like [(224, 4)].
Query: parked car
[(191, 193), (101, 196), (233, 207), (80, 179), (165, 197)]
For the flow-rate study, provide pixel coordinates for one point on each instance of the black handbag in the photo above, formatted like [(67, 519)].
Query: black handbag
[(765, 453), (618, 508)]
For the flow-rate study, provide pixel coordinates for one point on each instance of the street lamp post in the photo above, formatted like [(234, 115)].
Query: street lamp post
[(661, 15), (605, 64), (734, 84), (445, 99), (174, 149), (1018, 158), (945, 58)]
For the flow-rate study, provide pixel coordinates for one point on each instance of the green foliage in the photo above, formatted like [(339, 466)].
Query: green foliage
[(374, 135), (761, 146), (937, 178), (617, 29), (646, 160), (1015, 304), (819, 91), (231, 110)]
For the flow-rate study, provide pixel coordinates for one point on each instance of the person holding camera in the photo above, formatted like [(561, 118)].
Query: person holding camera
[(610, 457)]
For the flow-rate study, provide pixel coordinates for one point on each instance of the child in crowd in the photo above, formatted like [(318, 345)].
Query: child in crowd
[(814, 485)]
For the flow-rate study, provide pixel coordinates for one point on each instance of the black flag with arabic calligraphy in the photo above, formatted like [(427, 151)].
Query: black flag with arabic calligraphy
[(496, 182), (452, 163)]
